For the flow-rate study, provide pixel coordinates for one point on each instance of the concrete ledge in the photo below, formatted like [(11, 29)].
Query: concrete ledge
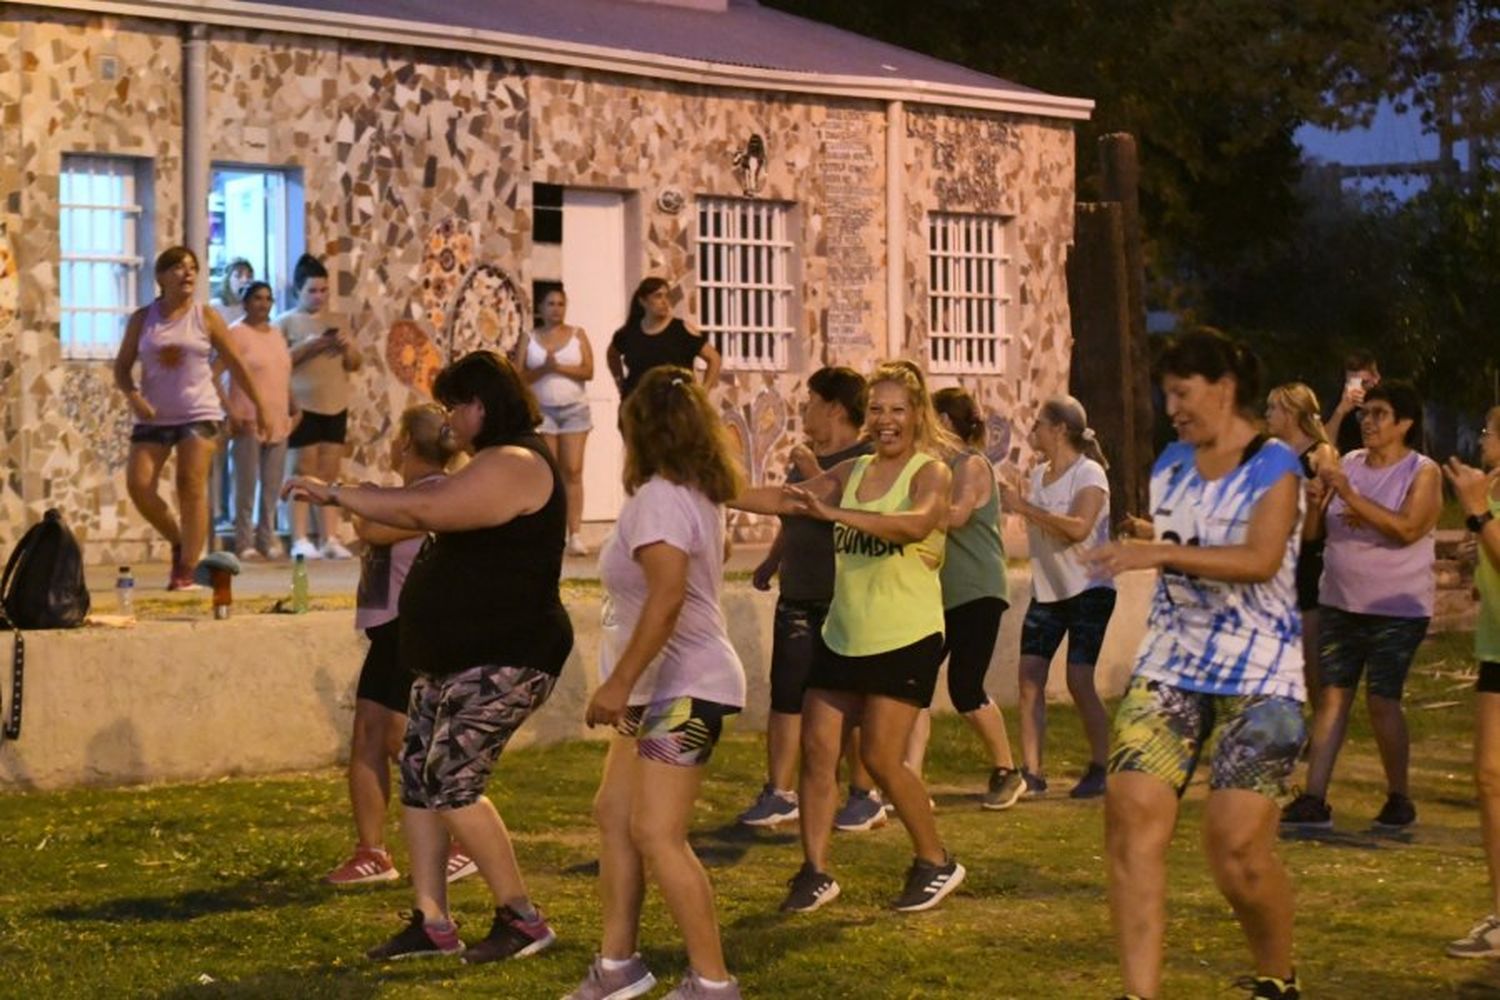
[(180, 701)]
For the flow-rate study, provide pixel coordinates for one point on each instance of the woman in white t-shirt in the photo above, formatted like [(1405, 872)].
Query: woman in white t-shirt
[(669, 677), (1067, 511)]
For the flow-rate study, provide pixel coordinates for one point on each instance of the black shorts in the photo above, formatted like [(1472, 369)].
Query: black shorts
[(320, 428), (794, 645), (382, 679), (1309, 574), (907, 674), (173, 434), (1489, 678), (1083, 618)]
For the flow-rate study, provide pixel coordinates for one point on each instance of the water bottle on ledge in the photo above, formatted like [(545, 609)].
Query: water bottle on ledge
[(299, 585), (125, 591)]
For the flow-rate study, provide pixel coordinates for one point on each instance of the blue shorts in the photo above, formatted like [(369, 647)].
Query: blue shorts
[(1384, 646), (1083, 618), (570, 418)]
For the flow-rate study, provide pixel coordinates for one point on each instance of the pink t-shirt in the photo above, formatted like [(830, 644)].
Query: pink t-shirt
[(266, 358), (1364, 572), (698, 660), (176, 373)]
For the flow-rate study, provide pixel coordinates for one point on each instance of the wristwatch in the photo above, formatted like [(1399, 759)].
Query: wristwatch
[(1476, 522)]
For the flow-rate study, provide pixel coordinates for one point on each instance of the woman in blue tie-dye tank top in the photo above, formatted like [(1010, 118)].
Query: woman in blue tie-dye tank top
[(1221, 665)]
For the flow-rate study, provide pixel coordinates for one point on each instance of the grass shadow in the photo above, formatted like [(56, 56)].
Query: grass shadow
[(1335, 838), (272, 888)]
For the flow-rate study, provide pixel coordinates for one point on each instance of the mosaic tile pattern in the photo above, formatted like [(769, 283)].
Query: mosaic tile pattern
[(417, 168)]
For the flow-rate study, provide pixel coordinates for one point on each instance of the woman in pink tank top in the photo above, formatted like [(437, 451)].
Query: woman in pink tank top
[(176, 406)]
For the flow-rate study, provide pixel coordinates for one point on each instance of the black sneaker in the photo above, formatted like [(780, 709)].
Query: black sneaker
[(1308, 812), (511, 937), (927, 884), (1091, 785), (1398, 813), (809, 889), (418, 940), (1036, 785), (1271, 988)]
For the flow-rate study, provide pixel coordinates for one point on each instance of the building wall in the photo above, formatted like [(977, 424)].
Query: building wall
[(417, 167)]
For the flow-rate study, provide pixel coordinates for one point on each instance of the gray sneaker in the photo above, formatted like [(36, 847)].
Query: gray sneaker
[(1006, 788), (634, 980), (692, 988), (863, 810), (1482, 941), (771, 808)]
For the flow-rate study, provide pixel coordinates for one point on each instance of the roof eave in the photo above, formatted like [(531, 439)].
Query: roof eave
[(237, 13)]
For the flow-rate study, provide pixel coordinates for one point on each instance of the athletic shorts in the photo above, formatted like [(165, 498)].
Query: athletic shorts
[(1162, 730), (1309, 574), (1383, 646), (320, 428), (570, 418), (382, 679), (680, 731), (1083, 618), (969, 633), (794, 643), (172, 434), (456, 727), (1489, 678), (907, 674)]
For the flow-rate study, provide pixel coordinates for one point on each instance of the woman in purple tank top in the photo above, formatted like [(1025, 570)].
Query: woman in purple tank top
[(1376, 595), (177, 406)]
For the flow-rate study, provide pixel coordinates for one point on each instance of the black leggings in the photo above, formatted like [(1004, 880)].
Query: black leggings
[(969, 633)]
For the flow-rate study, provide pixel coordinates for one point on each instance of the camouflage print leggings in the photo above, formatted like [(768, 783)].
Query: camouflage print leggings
[(456, 727)]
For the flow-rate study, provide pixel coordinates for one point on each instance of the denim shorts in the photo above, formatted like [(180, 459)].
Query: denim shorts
[(172, 434), (570, 418), (1083, 618), (1381, 645), (1163, 730)]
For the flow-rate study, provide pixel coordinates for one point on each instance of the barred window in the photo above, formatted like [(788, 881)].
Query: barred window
[(102, 242), (745, 281), (968, 297)]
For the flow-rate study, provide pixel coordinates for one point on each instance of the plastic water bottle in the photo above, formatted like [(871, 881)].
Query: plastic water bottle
[(299, 585), (125, 591)]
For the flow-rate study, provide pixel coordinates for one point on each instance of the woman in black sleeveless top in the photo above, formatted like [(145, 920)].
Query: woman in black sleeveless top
[(652, 337), (485, 631)]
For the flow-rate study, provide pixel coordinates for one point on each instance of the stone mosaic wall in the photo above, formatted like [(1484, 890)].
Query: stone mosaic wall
[(417, 167)]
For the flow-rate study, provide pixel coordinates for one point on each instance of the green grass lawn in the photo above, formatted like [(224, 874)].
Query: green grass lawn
[(211, 890)]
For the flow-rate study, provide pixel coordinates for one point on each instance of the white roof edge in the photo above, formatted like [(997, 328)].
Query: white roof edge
[(236, 13)]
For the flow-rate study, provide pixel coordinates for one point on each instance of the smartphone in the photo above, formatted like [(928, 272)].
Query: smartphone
[(1353, 382)]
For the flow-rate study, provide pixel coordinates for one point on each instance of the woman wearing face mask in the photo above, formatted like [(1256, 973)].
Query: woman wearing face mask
[(259, 462), (1376, 595), (1220, 666), (177, 407), (323, 355), (652, 337)]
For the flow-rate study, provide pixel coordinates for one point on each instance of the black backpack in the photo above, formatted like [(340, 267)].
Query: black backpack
[(42, 588)]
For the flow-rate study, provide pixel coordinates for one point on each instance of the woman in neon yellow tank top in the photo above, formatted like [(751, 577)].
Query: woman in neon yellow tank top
[(882, 643)]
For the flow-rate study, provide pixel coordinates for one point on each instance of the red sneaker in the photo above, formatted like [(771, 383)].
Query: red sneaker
[(368, 864)]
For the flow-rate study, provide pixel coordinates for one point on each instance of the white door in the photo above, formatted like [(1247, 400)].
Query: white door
[(594, 275)]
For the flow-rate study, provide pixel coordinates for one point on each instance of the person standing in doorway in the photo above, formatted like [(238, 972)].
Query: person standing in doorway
[(652, 336), (323, 355), (229, 299), (557, 362)]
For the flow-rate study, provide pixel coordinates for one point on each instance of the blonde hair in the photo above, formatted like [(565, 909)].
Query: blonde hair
[(1301, 402), (930, 435), (671, 431), (424, 427)]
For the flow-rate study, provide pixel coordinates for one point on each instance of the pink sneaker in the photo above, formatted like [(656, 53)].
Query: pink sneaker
[(368, 864), (460, 865)]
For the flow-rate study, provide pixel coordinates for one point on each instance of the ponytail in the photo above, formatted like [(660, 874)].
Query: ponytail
[(1069, 414)]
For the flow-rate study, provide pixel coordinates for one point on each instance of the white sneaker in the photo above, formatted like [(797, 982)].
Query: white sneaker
[(333, 550), (249, 555), (307, 550), (576, 546)]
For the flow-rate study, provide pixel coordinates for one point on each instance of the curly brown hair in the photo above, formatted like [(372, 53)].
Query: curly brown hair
[(671, 431)]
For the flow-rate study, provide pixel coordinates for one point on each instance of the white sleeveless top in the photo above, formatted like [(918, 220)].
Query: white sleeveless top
[(553, 389)]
